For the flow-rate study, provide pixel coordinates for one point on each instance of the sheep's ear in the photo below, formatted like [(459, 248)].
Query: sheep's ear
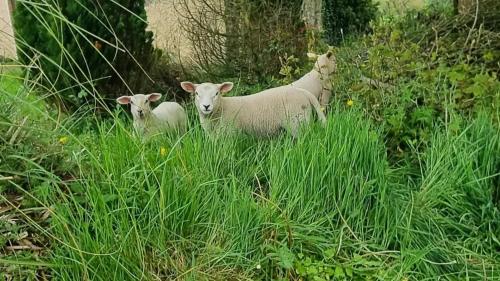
[(312, 56), (189, 87), (124, 99), (225, 87), (154, 97)]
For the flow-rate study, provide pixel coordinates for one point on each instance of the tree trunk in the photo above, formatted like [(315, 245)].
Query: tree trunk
[(231, 22), (311, 13)]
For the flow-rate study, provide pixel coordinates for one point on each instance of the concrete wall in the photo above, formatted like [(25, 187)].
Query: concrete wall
[(165, 21), (7, 45)]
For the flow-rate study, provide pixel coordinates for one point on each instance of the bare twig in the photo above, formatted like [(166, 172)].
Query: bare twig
[(473, 25)]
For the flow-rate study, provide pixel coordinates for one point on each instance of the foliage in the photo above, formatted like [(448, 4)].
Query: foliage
[(28, 136), (329, 205), (290, 69), (235, 207), (343, 17), (416, 84), (329, 266), (486, 11), (244, 38), (83, 51)]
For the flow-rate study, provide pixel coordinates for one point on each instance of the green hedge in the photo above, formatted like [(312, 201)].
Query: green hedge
[(341, 17), (84, 49)]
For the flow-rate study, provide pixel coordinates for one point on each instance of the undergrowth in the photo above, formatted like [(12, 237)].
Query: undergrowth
[(418, 71), (85, 198)]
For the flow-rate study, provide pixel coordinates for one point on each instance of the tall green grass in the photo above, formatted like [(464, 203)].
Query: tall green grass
[(218, 200), (201, 208)]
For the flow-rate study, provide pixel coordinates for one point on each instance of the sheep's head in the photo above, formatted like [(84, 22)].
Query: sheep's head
[(207, 95), (139, 104), (326, 64)]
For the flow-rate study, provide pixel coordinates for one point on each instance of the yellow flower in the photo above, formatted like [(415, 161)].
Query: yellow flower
[(322, 109), (63, 140), (163, 151), (350, 102)]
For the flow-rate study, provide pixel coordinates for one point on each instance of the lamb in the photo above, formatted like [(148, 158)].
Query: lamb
[(317, 81), (167, 116), (262, 114)]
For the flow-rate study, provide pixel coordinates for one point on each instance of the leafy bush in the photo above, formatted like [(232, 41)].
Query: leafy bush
[(415, 82), (84, 50), (342, 17)]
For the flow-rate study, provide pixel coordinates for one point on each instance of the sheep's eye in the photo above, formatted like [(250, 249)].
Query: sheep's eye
[(217, 93)]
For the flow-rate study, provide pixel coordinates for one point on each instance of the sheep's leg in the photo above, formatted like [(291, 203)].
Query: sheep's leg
[(294, 125), (324, 99), (294, 129)]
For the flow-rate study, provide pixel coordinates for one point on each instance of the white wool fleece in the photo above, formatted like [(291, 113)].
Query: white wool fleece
[(262, 114), (318, 80), (166, 117)]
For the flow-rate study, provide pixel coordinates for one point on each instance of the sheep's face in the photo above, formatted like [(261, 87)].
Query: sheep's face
[(326, 63), (207, 95), (139, 104)]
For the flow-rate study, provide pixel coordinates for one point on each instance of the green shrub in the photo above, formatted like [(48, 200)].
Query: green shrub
[(342, 17), (421, 80), (84, 50)]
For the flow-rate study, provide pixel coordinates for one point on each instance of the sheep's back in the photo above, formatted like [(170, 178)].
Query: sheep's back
[(170, 112), (310, 82), (266, 112)]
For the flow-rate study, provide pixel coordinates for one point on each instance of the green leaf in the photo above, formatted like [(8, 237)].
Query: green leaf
[(286, 258), (300, 269), (348, 271), (109, 197), (330, 253), (456, 76), (476, 89), (312, 270), (339, 272)]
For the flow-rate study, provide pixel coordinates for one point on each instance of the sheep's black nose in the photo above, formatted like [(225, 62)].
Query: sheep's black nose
[(140, 112), (206, 107)]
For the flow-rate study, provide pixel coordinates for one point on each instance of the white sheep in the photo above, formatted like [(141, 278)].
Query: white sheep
[(261, 114), (317, 81), (167, 116)]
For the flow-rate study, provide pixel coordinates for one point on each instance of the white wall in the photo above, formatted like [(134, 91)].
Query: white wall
[(7, 45)]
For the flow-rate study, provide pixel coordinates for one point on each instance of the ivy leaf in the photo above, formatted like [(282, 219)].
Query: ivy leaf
[(476, 89), (330, 253), (312, 270), (286, 258), (456, 76), (339, 272)]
